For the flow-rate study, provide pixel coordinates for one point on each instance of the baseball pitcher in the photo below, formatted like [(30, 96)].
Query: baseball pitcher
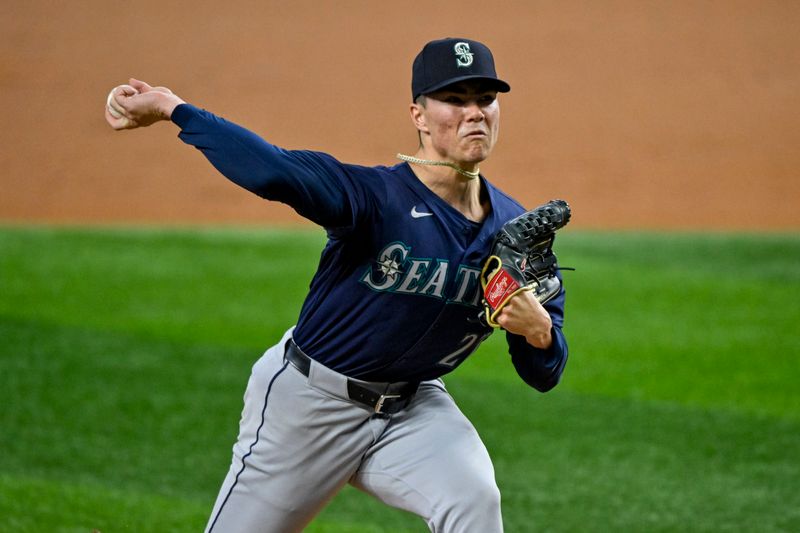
[(424, 260)]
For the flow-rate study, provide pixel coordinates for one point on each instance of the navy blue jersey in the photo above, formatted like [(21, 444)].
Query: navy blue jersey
[(396, 296)]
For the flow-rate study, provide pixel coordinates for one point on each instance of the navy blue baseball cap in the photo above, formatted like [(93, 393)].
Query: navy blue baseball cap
[(447, 61)]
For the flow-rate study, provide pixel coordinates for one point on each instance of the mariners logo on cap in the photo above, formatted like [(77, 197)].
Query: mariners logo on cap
[(463, 55)]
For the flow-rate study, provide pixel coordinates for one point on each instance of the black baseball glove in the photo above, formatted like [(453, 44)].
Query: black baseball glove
[(522, 259)]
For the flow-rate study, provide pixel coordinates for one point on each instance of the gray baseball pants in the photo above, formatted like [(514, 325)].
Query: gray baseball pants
[(301, 440)]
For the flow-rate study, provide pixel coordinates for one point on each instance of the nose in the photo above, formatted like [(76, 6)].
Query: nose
[(474, 112)]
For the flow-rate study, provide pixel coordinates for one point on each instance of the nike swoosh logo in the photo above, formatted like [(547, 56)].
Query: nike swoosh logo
[(418, 214)]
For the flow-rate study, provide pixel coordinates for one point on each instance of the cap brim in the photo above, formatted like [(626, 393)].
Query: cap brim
[(500, 85)]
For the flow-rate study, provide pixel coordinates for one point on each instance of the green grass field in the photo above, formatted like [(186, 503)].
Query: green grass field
[(124, 354)]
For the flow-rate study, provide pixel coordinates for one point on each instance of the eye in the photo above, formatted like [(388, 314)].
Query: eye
[(487, 99), (453, 99)]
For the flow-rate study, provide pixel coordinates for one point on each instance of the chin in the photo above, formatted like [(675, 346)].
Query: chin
[(477, 156), (477, 152)]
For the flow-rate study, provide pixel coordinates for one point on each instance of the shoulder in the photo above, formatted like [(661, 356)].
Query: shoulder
[(369, 190), (505, 206), (382, 179), (378, 172), (355, 174)]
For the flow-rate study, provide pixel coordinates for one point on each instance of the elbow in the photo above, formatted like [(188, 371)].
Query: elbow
[(540, 377), (540, 369), (548, 385), (545, 385)]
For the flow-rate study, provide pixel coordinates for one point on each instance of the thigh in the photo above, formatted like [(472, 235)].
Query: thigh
[(296, 448), (430, 461)]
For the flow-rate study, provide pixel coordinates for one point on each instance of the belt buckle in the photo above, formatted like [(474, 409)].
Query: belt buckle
[(382, 399)]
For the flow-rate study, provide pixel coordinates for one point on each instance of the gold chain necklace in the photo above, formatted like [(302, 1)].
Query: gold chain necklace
[(469, 174)]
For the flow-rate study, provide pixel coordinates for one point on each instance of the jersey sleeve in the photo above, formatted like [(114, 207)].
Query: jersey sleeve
[(316, 185), (542, 369)]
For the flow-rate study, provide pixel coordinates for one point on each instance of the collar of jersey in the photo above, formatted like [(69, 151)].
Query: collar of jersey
[(442, 208)]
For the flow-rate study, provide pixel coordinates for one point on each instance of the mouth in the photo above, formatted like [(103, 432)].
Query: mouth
[(476, 133)]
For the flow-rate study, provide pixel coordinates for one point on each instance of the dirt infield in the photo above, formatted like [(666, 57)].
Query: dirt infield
[(641, 114)]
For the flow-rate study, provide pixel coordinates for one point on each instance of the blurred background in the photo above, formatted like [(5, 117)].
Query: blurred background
[(138, 286), (644, 114)]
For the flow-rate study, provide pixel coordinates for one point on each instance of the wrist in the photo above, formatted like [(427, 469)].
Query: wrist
[(167, 104), (539, 339)]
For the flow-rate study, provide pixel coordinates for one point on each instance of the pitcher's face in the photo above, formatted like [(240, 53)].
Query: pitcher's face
[(463, 122)]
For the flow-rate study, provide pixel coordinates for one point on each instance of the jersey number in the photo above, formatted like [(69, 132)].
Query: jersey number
[(468, 344)]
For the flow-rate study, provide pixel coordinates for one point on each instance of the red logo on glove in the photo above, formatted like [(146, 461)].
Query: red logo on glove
[(499, 288)]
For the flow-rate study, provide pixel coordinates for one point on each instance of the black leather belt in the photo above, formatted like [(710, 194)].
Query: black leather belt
[(384, 401)]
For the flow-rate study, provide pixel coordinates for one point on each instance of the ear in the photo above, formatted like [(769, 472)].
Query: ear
[(418, 117)]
